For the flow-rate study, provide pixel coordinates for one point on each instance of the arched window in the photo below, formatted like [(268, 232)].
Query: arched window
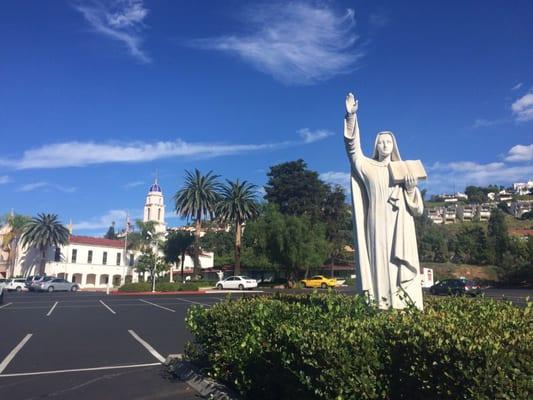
[(159, 214), (148, 216)]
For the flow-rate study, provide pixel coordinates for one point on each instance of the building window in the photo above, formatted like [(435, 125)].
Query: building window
[(57, 255), (74, 255), (118, 258), (132, 260), (104, 258), (90, 257), (159, 214), (148, 214)]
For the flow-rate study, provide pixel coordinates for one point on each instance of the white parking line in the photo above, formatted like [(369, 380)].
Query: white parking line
[(147, 346), (14, 352), (106, 306), (157, 305), (193, 302), (5, 305), (62, 371), (52, 309)]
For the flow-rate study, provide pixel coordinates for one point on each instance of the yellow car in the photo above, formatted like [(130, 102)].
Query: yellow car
[(318, 281)]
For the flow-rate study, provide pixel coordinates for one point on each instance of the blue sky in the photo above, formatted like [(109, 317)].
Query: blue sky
[(96, 96)]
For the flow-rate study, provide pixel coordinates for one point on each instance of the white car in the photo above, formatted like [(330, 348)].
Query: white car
[(237, 282), (17, 284)]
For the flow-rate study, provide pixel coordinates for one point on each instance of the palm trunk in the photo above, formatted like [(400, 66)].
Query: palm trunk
[(237, 248), (196, 258), (182, 265), (43, 262)]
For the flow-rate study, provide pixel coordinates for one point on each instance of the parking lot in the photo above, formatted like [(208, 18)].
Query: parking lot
[(89, 345)]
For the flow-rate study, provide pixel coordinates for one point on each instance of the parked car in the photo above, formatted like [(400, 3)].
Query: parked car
[(32, 278), (318, 281), (17, 284), (237, 282), (456, 287), (53, 284)]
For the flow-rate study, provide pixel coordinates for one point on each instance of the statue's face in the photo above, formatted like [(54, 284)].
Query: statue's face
[(385, 145)]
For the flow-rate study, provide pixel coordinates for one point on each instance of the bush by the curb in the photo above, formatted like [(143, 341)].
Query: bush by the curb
[(159, 287), (337, 347)]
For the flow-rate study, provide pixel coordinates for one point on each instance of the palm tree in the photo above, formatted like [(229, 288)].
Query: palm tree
[(238, 205), (10, 240), (147, 241), (43, 232), (178, 245), (197, 199)]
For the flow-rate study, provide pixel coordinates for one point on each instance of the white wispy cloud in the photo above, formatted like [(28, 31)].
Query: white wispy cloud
[(337, 178), (4, 179), (444, 177), (30, 187), (131, 185), (102, 222), (520, 153), (79, 154), (295, 42), (311, 136), (121, 20), (517, 86), (523, 108)]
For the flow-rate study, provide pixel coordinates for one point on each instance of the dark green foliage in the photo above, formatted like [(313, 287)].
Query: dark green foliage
[(432, 241), (295, 189), (178, 245), (337, 347), (159, 287), (222, 244), (497, 236), (110, 234)]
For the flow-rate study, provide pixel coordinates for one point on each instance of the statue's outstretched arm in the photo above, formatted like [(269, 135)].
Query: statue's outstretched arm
[(351, 129)]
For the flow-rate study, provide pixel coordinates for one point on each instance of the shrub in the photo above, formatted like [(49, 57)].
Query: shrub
[(328, 346), (159, 287)]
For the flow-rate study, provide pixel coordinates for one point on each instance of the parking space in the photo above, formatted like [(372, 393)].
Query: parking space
[(89, 345)]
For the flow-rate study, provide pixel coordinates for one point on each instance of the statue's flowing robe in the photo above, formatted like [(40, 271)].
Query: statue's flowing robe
[(387, 266)]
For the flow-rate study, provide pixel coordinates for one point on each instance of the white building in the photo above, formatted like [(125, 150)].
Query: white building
[(95, 262)]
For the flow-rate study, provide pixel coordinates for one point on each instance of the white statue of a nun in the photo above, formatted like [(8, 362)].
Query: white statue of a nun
[(387, 267)]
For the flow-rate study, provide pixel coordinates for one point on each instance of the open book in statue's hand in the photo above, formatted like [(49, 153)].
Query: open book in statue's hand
[(399, 170)]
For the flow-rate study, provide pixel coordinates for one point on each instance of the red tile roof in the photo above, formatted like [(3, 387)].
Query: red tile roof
[(94, 241)]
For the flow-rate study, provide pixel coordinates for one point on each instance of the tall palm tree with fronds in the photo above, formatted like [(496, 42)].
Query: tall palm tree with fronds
[(11, 239), (43, 232), (237, 205), (197, 199)]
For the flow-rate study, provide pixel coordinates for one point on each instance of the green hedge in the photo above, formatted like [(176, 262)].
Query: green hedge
[(160, 287), (330, 346)]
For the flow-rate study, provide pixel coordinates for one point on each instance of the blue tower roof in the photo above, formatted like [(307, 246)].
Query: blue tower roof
[(155, 187)]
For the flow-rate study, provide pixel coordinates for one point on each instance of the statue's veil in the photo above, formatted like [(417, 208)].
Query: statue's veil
[(395, 156)]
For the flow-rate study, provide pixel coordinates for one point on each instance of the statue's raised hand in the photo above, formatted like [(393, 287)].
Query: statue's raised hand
[(351, 104)]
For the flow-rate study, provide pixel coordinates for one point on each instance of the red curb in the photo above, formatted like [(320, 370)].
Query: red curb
[(156, 293)]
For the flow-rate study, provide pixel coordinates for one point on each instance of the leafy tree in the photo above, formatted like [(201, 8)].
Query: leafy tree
[(145, 238), (338, 222), (221, 243), (295, 189), (498, 237), (238, 205), (11, 239), (431, 240), (197, 199), (111, 234), (178, 245), (154, 265), (471, 245), (476, 194), (43, 232)]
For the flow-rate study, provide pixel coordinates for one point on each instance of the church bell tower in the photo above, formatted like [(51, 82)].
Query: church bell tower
[(154, 208)]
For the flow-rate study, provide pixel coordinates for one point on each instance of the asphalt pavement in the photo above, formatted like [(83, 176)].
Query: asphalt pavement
[(93, 346), (96, 346)]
